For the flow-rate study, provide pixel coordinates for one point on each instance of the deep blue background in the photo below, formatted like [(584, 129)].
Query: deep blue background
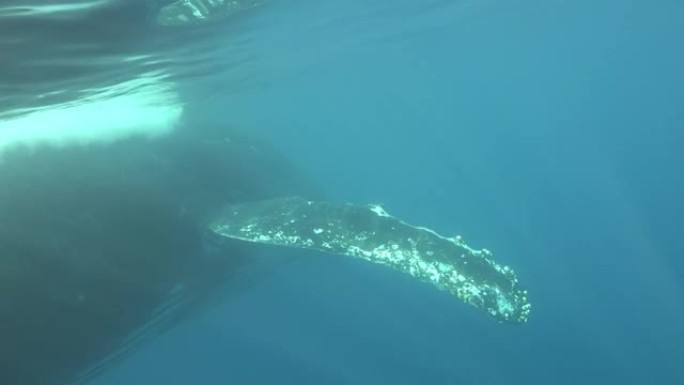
[(547, 131)]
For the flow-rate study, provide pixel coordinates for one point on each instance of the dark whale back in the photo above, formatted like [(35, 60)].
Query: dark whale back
[(96, 239)]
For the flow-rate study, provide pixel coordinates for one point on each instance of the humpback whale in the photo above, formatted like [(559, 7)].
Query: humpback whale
[(104, 246)]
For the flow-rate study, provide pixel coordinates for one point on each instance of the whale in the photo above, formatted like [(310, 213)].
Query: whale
[(108, 241)]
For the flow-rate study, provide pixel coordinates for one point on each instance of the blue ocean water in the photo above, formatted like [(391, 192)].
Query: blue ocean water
[(546, 131)]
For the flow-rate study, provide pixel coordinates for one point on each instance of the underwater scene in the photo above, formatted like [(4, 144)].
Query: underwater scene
[(341, 192)]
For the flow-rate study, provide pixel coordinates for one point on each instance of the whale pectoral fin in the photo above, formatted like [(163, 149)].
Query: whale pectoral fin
[(370, 233)]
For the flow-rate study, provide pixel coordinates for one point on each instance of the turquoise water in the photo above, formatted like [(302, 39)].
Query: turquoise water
[(546, 131)]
